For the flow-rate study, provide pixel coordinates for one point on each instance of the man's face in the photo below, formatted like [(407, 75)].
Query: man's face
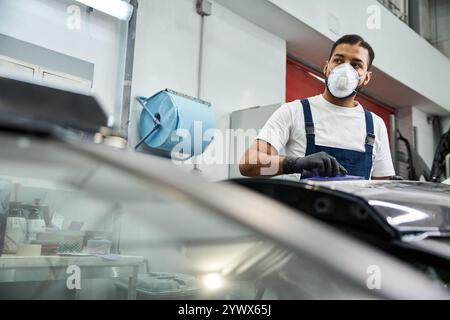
[(356, 56)]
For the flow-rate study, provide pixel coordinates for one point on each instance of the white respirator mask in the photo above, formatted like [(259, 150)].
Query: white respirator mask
[(343, 81)]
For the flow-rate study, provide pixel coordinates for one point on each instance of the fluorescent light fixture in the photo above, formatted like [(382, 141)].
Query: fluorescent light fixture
[(116, 8), (317, 77)]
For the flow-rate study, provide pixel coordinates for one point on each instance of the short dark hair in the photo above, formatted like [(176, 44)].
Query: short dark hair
[(355, 39)]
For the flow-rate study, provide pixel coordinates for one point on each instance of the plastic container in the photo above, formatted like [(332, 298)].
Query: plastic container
[(16, 228), (164, 285), (99, 246), (36, 224), (68, 241)]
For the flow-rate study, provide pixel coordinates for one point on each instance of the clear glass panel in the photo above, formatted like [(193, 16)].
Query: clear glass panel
[(407, 206), (96, 228)]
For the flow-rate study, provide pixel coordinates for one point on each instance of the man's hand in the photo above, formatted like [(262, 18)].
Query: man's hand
[(322, 163)]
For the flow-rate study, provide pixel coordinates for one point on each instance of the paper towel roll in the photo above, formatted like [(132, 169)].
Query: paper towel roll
[(176, 111)]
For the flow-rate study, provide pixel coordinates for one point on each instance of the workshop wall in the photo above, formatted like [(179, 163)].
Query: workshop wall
[(443, 26), (331, 20), (433, 23), (243, 65), (404, 123), (445, 124), (425, 137), (99, 40)]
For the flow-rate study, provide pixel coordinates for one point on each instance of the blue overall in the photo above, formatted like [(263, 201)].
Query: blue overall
[(357, 163)]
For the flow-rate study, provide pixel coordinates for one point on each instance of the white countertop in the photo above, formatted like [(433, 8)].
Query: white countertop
[(14, 262)]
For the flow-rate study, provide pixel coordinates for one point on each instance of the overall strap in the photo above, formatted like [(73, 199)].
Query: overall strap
[(309, 128), (370, 141)]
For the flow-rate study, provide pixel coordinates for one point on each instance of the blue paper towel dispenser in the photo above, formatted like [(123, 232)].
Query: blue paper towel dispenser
[(171, 121)]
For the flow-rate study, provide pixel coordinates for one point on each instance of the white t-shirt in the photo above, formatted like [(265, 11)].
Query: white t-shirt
[(334, 126)]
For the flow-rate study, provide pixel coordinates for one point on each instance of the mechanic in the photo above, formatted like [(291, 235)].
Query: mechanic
[(330, 134)]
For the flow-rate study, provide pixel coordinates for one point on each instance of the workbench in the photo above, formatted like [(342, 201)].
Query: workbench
[(51, 268)]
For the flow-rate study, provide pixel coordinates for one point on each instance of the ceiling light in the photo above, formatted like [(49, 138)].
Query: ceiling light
[(116, 8), (213, 281)]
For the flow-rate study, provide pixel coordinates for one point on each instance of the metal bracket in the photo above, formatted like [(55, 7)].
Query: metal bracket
[(309, 128), (370, 139), (204, 7), (143, 102)]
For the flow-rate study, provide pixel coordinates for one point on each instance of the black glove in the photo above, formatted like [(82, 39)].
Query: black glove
[(322, 163)]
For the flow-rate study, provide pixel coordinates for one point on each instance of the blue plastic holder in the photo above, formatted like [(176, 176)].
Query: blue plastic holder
[(143, 102), (168, 111)]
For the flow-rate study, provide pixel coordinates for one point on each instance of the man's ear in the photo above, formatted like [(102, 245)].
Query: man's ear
[(325, 69), (368, 78)]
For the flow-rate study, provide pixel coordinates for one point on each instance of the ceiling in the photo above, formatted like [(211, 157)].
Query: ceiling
[(312, 48)]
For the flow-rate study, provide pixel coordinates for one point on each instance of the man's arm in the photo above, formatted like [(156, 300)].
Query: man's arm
[(261, 159)]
